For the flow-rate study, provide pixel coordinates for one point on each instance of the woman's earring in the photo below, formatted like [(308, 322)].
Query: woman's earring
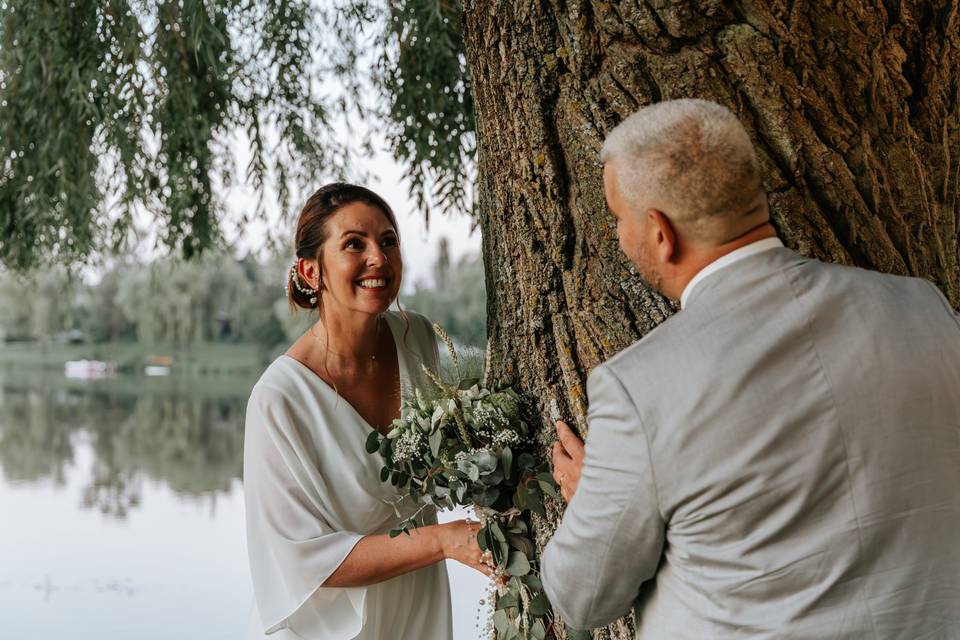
[(310, 291)]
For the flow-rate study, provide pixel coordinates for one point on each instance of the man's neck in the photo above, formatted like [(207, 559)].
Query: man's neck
[(702, 257)]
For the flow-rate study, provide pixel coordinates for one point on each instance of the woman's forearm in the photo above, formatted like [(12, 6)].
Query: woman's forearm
[(379, 557)]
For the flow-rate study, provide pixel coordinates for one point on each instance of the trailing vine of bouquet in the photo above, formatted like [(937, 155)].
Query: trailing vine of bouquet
[(462, 443)]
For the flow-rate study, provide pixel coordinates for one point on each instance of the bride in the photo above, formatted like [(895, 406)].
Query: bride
[(318, 517)]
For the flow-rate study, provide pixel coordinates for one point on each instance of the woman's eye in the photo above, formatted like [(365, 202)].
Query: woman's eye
[(353, 243), (389, 241)]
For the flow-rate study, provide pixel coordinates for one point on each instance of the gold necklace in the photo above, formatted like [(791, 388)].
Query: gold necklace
[(326, 343)]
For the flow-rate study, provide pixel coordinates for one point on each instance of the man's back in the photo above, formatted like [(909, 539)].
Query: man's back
[(803, 422)]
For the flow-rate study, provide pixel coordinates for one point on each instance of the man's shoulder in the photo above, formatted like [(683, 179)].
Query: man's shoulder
[(647, 353), (857, 284)]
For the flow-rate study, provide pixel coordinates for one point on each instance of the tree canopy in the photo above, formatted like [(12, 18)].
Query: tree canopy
[(112, 107)]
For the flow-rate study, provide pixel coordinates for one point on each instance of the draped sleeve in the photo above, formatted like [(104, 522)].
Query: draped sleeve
[(293, 538)]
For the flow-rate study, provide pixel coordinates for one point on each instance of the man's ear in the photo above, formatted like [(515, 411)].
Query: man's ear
[(665, 236)]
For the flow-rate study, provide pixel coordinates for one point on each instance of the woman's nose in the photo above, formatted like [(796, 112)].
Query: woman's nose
[(376, 257)]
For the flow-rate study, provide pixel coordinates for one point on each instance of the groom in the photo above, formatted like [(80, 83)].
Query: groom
[(781, 458)]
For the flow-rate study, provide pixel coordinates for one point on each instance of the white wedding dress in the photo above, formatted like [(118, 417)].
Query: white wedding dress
[(312, 492)]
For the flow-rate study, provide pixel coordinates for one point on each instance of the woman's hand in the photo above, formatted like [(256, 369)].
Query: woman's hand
[(458, 541)]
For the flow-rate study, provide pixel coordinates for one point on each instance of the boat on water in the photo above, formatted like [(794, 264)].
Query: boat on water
[(89, 369), (156, 370)]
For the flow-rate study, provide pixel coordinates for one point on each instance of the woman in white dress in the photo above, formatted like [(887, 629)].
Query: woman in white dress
[(318, 517)]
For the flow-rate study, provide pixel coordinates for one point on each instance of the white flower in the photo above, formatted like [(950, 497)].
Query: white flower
[(409, 445)]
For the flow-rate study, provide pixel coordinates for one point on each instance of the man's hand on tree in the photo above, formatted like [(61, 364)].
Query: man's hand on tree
[(567, 460)]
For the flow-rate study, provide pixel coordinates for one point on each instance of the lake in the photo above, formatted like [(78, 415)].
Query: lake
[(122, 511)]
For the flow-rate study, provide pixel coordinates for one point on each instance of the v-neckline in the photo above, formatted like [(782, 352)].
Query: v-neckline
[(401, 376)]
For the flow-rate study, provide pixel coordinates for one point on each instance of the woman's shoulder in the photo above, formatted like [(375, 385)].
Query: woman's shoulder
[(284, 399), (278, 382)]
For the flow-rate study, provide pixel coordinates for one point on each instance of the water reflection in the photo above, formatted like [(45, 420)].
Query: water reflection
[(123, 511), (34, 436), (187, 435)]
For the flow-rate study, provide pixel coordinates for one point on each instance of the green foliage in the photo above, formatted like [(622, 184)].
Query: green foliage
[(112, 107), (423, 74), (458, 302), (192, 62), (39, 305), (100, 318), (179, 302), (171, 302), (71, 89)]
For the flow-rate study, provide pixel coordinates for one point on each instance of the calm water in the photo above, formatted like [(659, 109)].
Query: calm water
[(121, 511)]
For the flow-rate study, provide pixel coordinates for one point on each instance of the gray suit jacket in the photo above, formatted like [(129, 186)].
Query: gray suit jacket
[(780, 459)]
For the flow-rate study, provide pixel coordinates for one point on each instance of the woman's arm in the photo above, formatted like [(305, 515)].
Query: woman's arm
[(380, 557)]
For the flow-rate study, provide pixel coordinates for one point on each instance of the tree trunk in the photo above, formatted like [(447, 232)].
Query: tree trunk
[(853, 107)]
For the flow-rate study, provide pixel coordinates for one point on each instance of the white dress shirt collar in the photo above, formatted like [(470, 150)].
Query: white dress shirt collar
[(751, 249)]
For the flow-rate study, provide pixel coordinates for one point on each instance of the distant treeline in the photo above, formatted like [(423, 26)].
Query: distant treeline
[(216, 298)]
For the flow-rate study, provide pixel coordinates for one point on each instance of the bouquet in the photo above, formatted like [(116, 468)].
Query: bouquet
[(461, 443)]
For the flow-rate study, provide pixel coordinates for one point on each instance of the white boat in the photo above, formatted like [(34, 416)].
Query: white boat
[(155, 370), (89, 369)]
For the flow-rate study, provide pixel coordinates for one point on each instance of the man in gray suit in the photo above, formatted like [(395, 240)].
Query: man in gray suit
[(781, 458)]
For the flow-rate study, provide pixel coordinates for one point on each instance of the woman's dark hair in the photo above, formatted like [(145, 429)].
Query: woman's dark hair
[(311, 230)]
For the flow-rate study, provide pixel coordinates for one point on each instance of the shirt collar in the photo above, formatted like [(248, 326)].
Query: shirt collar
[(751, 249)]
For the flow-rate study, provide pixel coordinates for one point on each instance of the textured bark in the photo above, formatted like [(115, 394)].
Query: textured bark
[(853, 107)]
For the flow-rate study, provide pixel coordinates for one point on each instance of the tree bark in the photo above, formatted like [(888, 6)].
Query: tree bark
[(854, 108)]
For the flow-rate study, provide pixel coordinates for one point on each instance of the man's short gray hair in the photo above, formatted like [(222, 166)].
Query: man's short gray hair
[(693, 160)]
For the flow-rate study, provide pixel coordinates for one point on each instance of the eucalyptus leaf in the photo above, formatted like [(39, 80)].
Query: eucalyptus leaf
[(486, 497), (486, 461), (535, 503), (520, 497), (538, 631), (518, 565), (436, 439), (525, 462), (503, 548), (521, 544), (473, 472), (539, 605), (493, 478), (373, 442), (508, 600), (506, 460), (533, 582), (483, 539), (500, 622), (549, 489)]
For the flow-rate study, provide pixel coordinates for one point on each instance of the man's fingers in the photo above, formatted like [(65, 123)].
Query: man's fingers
[(558, 453), (571, 441)]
